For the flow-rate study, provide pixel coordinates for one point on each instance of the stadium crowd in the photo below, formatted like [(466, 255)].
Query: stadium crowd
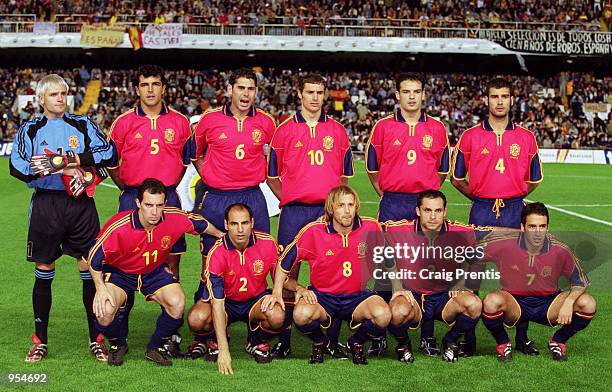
[(553, 107), (323, 13)]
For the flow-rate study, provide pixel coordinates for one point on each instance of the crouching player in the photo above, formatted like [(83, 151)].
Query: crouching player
[(236, 270), (336, 250), (429, 279), (530, 264), (130, 255)]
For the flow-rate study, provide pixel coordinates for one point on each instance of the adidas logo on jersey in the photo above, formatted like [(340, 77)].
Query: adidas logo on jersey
[(136, 249), (397, 143), (329, 253), (484, 151), (138, 136), (298, 144), (44, 143), (223, 136)]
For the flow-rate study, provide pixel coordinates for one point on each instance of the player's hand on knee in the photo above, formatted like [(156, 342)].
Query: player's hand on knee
[(99, 304), (309, 296), (50, 162), (268, 302), (224, 362), (565, 313), (406, 294)]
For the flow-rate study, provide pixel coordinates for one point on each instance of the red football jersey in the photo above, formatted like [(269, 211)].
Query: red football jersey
[(339, 264), (407, 158), (430, 269), (237, 275), (152, 146), (309, 160), (498, 166), (124, 243), (234, 149), (522, 273)]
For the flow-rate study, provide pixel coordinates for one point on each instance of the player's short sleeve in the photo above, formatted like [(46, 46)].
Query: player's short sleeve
[(216, 266), (573, 271), (347, 154), (461, 157), (444, 166), (199, 137), (536, 173), (302, 248), (268, 125), (276, 153), (198, 224), (374, 149)]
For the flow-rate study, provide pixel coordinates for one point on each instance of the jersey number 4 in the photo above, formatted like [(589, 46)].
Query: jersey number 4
[(499, 166)]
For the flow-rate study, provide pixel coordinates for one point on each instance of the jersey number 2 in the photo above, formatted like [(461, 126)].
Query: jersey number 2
[(244, 284)]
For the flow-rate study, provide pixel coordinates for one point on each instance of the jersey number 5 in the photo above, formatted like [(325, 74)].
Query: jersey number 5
[(154, 146)]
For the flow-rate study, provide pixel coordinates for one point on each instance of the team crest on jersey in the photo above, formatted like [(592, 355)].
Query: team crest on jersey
[(169, 135), (256, 136), (165, 242), (328, 142), (427, 141), (362, 249), (546, 271), (258, 266), (515, 150), (73, 141)]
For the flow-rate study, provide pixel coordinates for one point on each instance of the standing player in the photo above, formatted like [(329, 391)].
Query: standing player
[(407, 153), (530, 263), (230, 156), (153, 141), (309, 155), (336, 250), (434, 297), (59, 223), (130, 255), (502, 162), (236, 271)]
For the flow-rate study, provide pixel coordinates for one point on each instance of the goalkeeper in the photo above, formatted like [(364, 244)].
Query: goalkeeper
[(61, 156)]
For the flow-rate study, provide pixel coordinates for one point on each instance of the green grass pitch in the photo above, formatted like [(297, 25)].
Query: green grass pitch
[(581, 189)]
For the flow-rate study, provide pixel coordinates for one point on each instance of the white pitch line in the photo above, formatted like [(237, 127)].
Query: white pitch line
[(572, 213)]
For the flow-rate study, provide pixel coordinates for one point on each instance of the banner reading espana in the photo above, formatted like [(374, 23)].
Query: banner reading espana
[(102, 35), (581, 43), (163, 36)]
